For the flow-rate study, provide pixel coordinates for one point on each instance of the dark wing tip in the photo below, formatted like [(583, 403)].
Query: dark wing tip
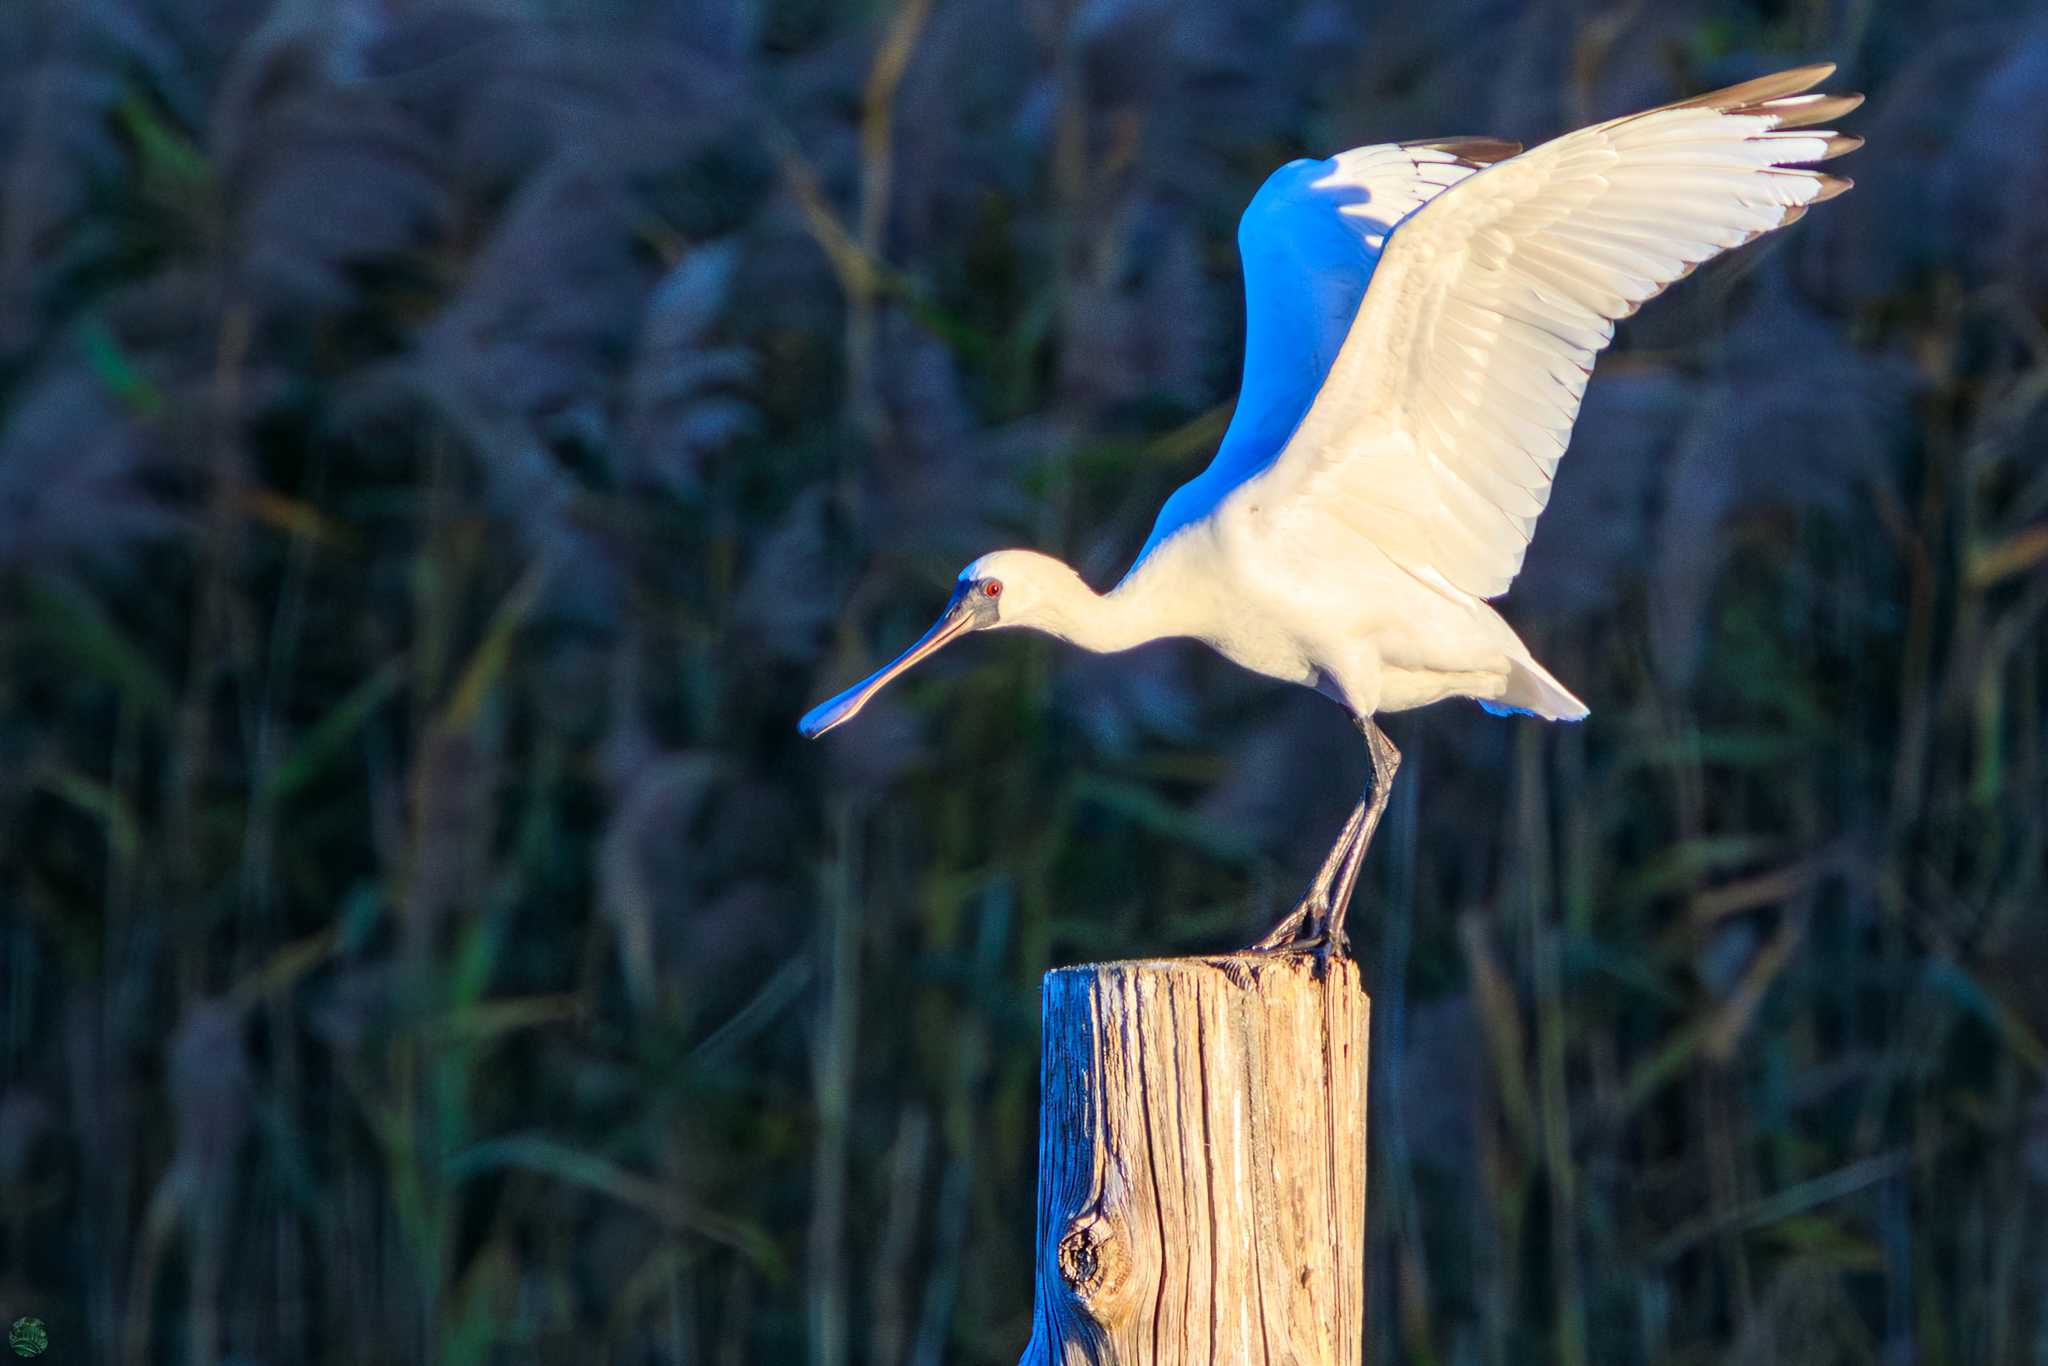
[(1473, 151), (1781, 94), (1830, 186), (1803, 111), (1748, 94), (1841, 144)]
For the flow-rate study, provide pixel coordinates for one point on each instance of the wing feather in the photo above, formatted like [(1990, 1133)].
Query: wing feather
[(1439, 425), (1310, 240)]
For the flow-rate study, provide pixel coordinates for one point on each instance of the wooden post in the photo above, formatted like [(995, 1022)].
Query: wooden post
[(1201, 1165)]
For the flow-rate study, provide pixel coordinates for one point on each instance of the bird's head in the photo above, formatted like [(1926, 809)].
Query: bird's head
[(1002, 588)]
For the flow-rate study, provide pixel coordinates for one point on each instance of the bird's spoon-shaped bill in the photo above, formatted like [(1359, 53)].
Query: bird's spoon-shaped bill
[(957, 619)]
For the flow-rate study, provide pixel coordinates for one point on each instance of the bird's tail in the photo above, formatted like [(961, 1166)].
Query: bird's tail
[(1532, 691)]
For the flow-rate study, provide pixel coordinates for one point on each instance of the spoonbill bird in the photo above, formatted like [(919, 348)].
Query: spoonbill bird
[(1393, 445)]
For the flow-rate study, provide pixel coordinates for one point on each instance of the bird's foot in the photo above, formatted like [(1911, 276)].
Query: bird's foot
[(1306, 929), (1286, 936), (1332, 946)]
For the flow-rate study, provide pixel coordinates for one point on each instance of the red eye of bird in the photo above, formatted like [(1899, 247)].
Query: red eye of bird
[(993, 588)]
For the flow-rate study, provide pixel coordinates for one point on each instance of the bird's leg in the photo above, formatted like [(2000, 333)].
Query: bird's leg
[(1318, 920), (1386, 762), (1317, 901)]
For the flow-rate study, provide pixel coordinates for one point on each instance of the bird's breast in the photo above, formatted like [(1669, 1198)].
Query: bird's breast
[(1201, 590), (1253, 631), (1259, 645)]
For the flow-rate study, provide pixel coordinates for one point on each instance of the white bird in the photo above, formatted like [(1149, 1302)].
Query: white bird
[(1393, 445)]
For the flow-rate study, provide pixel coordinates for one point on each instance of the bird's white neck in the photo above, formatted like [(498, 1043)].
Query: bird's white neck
[(1128, 615)]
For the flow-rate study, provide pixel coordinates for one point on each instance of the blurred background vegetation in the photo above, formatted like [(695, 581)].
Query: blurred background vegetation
[(444, 444)]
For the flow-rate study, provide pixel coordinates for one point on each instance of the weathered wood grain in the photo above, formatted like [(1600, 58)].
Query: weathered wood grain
[(1201, 1183)]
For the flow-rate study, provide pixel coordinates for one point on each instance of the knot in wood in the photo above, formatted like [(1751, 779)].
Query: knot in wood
[(1093, 1260)]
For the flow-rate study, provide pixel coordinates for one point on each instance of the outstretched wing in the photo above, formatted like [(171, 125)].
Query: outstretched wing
[(1309, 240), (1439, 427)]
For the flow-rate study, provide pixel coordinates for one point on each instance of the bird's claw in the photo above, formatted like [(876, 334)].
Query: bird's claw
[(1332, 946), (1306, 929), (1286, 936)]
